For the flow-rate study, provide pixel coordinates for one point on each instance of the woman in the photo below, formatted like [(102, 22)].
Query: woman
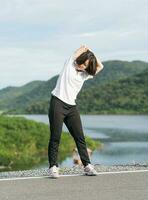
[(82, 65)]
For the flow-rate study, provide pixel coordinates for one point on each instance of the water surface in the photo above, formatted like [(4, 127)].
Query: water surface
[(125, 137)]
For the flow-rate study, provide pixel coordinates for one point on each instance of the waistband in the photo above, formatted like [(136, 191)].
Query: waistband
[(53, 96)]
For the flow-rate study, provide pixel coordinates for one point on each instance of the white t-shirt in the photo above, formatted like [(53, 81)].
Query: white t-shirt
[(69, 82)]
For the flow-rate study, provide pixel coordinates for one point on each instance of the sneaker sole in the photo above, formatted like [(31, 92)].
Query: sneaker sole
[(54, 176), (87, 174)]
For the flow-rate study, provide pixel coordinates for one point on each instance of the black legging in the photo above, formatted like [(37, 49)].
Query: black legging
[(60, 112)]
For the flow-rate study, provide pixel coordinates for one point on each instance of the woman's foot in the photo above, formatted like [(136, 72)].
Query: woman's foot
[(89, 170), (54, 171)]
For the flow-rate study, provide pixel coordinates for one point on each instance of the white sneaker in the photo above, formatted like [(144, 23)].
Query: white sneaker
[(90, 170), (54, 171)]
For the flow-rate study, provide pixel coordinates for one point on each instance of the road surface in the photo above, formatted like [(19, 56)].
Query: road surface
[(104, 186)]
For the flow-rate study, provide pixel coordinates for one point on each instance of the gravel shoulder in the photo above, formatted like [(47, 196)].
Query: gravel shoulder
[(72, 170)]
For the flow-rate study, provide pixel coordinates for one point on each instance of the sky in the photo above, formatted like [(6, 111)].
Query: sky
[(37, 36)]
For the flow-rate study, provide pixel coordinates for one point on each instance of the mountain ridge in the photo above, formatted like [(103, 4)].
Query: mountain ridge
[(21, 99)]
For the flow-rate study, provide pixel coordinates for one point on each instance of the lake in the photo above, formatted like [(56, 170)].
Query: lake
[(125, 138)]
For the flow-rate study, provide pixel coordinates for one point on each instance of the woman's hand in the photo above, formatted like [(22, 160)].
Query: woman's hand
[(80, 50)]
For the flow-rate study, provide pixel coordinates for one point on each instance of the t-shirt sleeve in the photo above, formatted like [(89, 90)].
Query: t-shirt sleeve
[(88, 77)]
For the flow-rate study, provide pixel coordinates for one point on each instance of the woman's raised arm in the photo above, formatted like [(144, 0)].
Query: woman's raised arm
[(83, 49), (79, 51), (99, 66)]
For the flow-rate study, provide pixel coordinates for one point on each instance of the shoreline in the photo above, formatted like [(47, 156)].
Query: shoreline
[(75, 170)]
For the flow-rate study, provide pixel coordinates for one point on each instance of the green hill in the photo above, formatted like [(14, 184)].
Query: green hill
[(19, 101), (34, 97), (9, 95), (116, 69), (126, 96)]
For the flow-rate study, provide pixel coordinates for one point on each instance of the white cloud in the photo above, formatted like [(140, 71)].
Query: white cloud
[(37, 36)]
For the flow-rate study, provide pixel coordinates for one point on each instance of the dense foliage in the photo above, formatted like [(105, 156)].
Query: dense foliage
[(126, 96), (24, 143)]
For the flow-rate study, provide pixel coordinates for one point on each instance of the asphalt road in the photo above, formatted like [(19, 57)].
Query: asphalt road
[(109, 186)]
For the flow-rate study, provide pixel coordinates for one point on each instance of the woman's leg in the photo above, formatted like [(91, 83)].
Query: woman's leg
[(74, 125), (56, 118)]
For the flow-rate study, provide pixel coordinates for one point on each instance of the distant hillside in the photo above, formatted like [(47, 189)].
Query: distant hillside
[(9, 95), (34, 96), (126, 96), (19, 98), (115, 70)]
